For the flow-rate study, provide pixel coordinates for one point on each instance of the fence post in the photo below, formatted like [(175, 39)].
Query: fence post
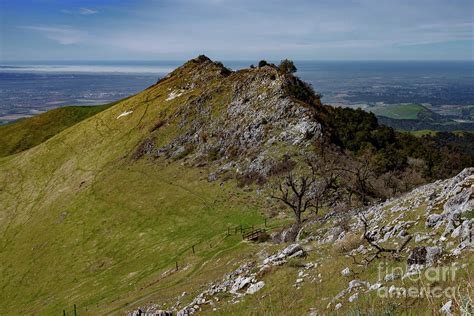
[(176, 265), (74, 309), (64, 312), (241, 230), (228, 231)]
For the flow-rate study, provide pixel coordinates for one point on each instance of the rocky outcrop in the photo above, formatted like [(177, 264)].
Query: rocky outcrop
[(232, 120)]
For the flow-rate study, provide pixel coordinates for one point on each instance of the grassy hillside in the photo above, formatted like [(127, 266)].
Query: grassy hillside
[(29, 132), (86, 224)]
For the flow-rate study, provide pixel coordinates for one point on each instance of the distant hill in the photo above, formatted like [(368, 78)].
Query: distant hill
[(400, 111), (415, 117)]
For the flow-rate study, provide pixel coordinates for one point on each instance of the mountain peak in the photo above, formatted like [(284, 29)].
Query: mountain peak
[(233, 118)]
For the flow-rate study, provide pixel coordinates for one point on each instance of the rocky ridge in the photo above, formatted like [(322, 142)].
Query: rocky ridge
[(242, 121)]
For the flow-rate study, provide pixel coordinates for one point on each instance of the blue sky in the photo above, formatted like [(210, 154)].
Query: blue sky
[(237, 30)]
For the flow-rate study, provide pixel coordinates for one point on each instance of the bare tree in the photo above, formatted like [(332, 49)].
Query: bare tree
[(300, 193), (378, 248)]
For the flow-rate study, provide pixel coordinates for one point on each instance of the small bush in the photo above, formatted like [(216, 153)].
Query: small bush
[(250, 178), (213, 154), (262, 63), (263, 237), (287, 67), (301, 91)]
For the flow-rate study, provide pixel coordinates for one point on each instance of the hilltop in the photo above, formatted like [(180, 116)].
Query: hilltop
[(148, 197)]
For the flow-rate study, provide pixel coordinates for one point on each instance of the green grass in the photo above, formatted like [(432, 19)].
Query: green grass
[(423, 132), (26, 133), (399, 111)]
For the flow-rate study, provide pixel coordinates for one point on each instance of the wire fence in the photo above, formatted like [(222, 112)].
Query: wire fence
[(181, 259)]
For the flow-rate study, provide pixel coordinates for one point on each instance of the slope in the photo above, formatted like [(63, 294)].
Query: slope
[(332, 269), (29, 132)]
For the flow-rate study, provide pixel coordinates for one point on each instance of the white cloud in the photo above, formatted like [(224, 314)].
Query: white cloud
[(87, 11), (82, 11), (62, 34)]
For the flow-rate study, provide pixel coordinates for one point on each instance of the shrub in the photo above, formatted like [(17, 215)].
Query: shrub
[(263, 237), (287, 67), (250, 178), (213, 154), (301, 90), (262, 63)]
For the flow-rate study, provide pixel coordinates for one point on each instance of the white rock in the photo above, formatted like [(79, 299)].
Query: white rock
[(391, 277), (375, 286), (354, 297), (346, 272), (446, 309), (240, 283), (255, 287), (124, 114), (299, 253)]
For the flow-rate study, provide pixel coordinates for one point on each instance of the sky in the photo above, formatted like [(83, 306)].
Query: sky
[(236, 29)]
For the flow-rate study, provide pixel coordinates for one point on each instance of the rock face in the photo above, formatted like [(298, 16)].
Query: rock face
[(446, 204), (230, 120)]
